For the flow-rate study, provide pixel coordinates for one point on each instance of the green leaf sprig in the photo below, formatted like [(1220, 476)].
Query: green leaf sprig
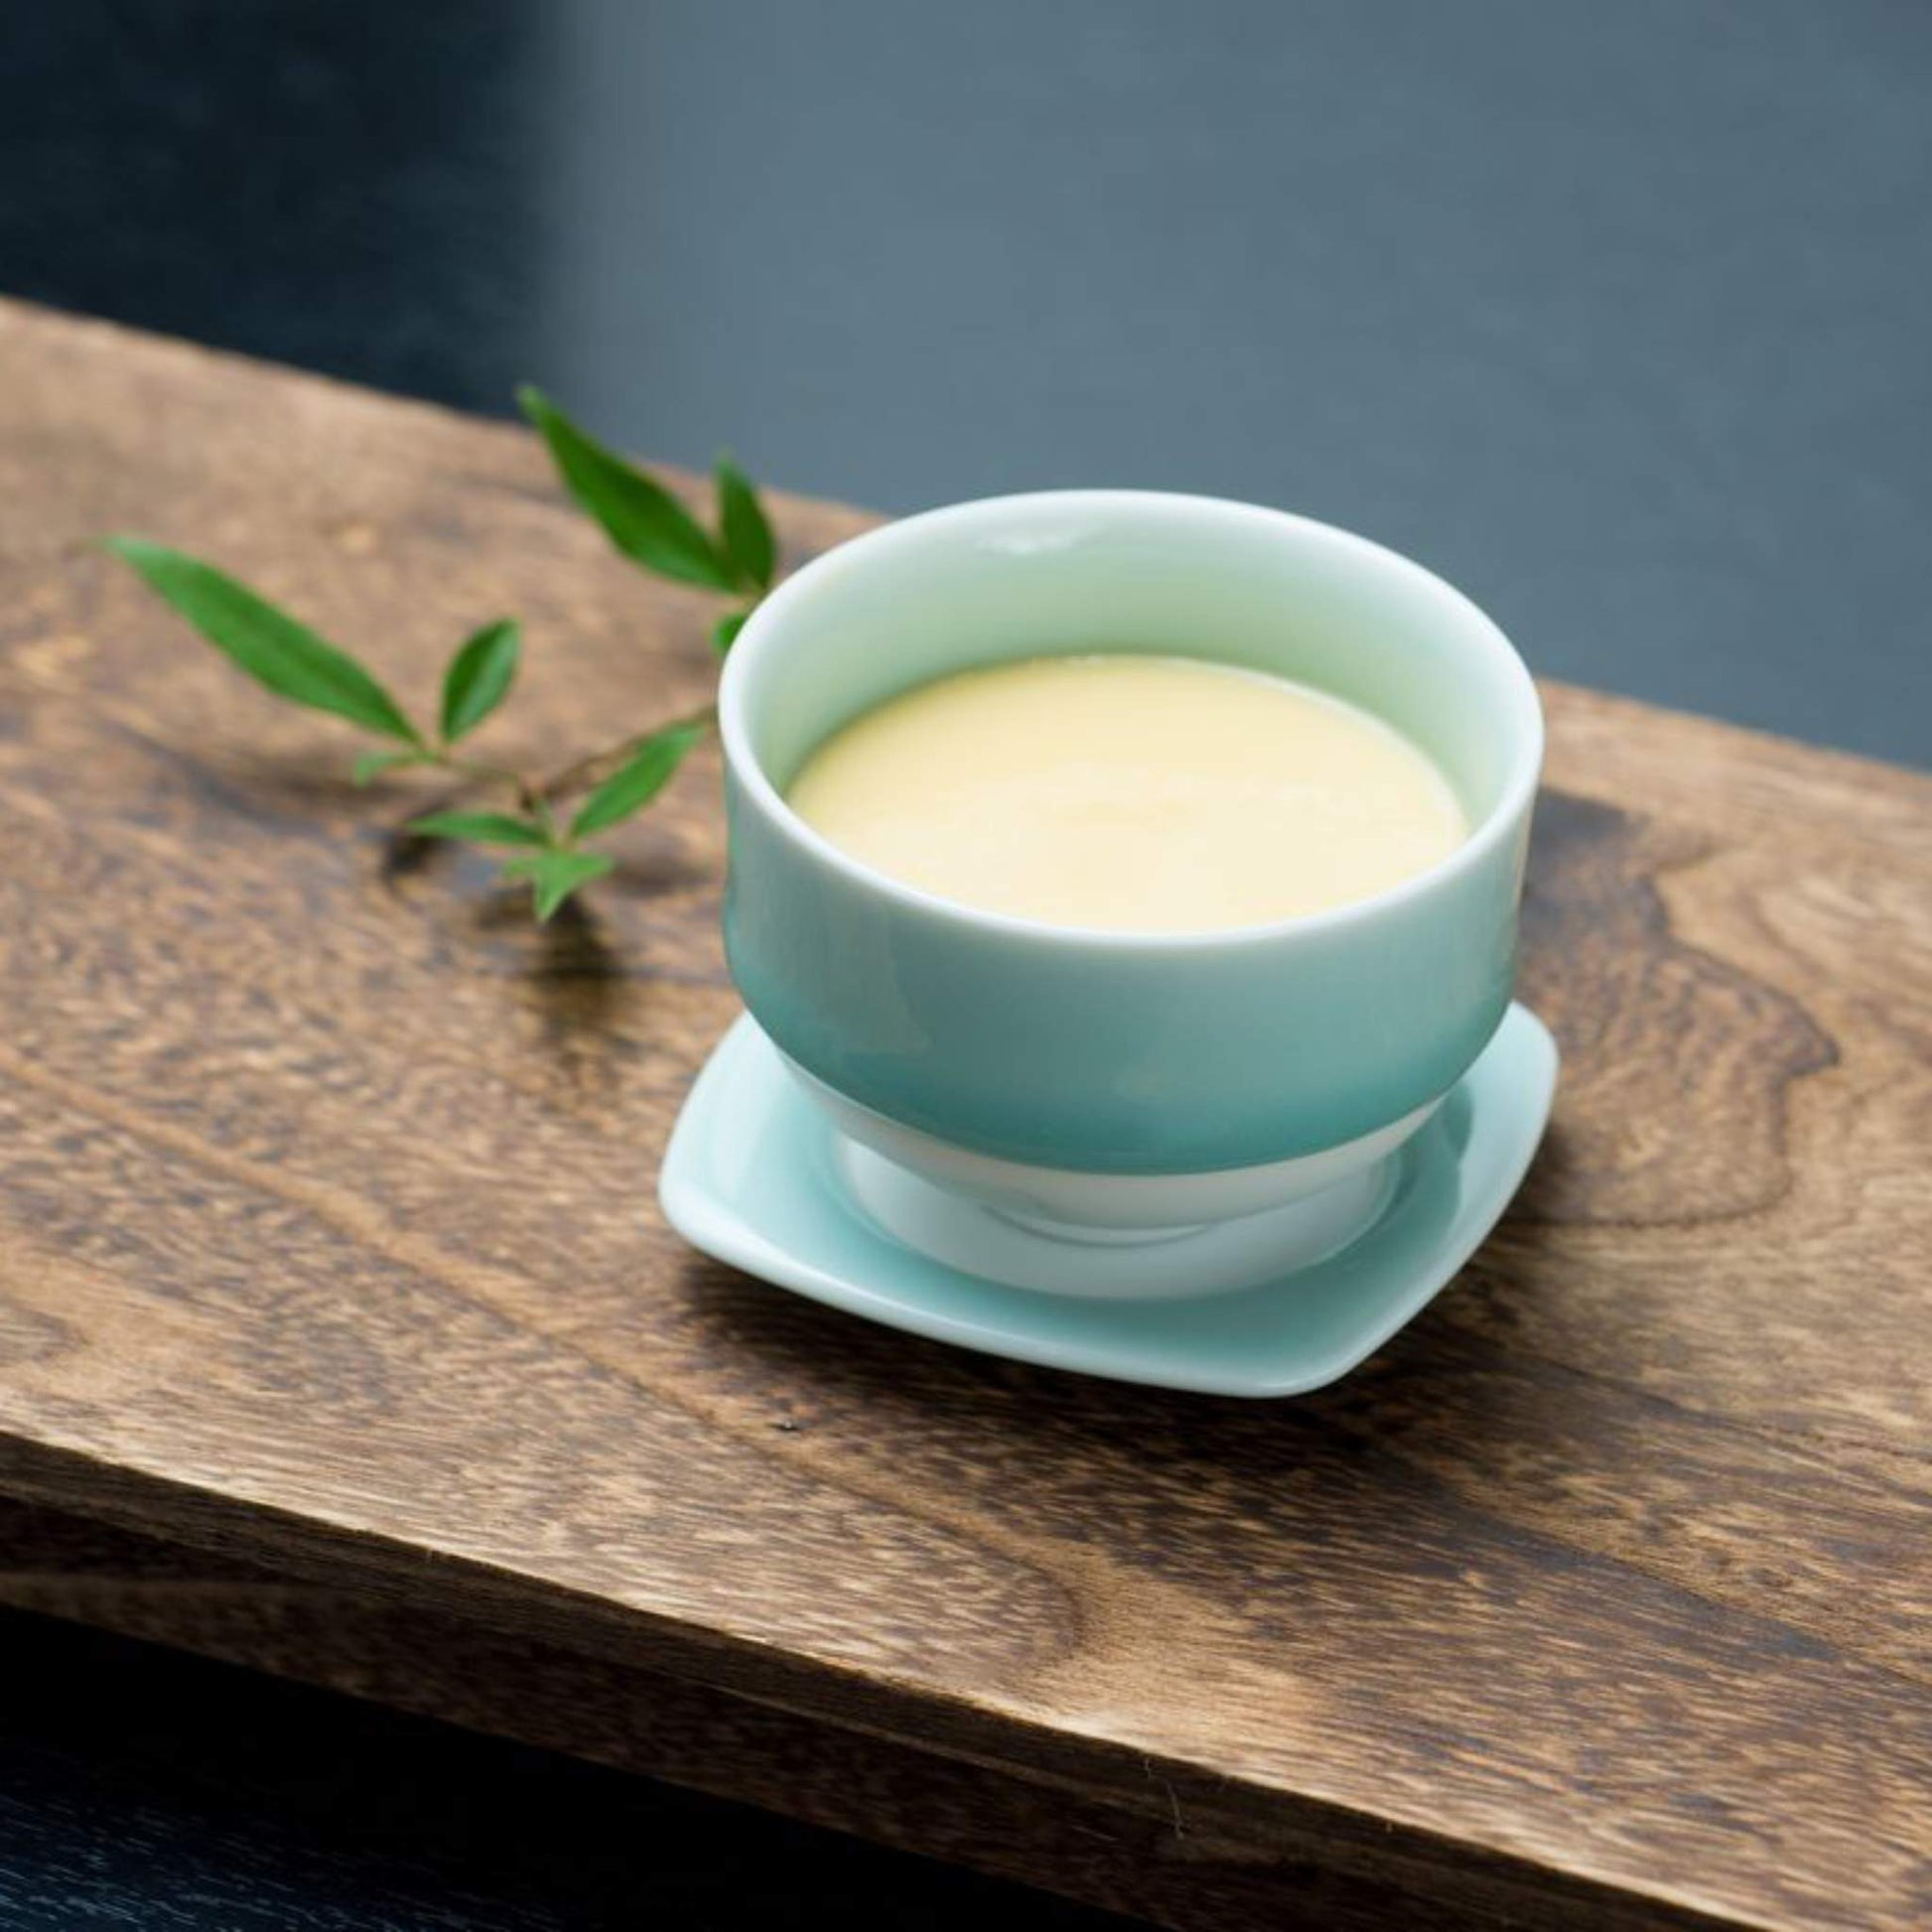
[(645, 522)]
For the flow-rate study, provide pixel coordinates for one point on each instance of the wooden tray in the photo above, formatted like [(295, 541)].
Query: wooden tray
[(338, 1331)]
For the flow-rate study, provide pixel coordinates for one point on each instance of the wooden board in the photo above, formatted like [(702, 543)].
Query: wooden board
[(327, 1244)]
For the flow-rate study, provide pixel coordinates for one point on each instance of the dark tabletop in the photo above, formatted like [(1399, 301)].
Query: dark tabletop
[(1618, 316), (144, 1790)]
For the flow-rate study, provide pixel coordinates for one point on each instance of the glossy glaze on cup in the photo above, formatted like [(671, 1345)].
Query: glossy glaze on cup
[(1113, 1052)]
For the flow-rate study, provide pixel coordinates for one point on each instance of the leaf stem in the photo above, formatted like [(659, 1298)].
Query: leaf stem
[(488, 774), (581, 775), (536, 796)]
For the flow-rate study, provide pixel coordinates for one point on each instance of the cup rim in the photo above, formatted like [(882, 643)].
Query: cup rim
[(753, 643)]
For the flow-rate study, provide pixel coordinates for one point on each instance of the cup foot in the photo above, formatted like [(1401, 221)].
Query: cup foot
[(1110, 1263)]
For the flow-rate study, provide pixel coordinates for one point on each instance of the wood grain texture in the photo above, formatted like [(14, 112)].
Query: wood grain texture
[(327, 1243), (1149, 1862), (174, 1794)]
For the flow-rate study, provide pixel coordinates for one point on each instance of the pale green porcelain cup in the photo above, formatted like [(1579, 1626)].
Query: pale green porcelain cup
[(1049, 1069)]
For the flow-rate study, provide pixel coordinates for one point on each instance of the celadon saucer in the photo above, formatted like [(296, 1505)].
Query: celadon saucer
[(752, 1178)]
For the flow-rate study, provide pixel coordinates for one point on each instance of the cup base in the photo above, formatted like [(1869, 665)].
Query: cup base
[(1073, 1204), (1098, 1262)]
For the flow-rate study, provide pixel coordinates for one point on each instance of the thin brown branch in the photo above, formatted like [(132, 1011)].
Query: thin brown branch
[(532, 795), (585, 773)]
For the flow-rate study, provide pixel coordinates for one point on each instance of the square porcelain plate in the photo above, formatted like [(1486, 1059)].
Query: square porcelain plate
[(749, 1177)]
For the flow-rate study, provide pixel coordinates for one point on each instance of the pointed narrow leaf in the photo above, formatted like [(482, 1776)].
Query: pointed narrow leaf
[(267, 643), (479, 828), (561, 876), (642, 517), (748, 535), (479, 677), (554, 876), (639, 782), (724, 633), (371, 765)]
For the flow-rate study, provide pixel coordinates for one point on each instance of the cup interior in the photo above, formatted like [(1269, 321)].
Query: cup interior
[(1079, 571)]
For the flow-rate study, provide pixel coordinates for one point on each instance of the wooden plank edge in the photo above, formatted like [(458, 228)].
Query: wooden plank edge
[(1122, 1831)]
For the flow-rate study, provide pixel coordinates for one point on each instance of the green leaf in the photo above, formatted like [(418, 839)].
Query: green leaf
[(479, 677), (642, 517), (479, 828), (724, 633), (639, 782), (554, 876), (269, 644), (748, 541), (371, 765)]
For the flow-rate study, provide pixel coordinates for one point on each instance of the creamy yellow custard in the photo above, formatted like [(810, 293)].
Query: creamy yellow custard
[(1129, 793)]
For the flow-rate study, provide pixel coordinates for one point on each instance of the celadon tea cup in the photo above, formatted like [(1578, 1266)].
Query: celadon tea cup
[(1104, 1086)]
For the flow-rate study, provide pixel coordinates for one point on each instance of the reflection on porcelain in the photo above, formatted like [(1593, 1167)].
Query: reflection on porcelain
[(1100, 1263)]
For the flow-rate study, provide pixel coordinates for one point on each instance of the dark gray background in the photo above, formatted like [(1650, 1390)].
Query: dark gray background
[(1615, 314)]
